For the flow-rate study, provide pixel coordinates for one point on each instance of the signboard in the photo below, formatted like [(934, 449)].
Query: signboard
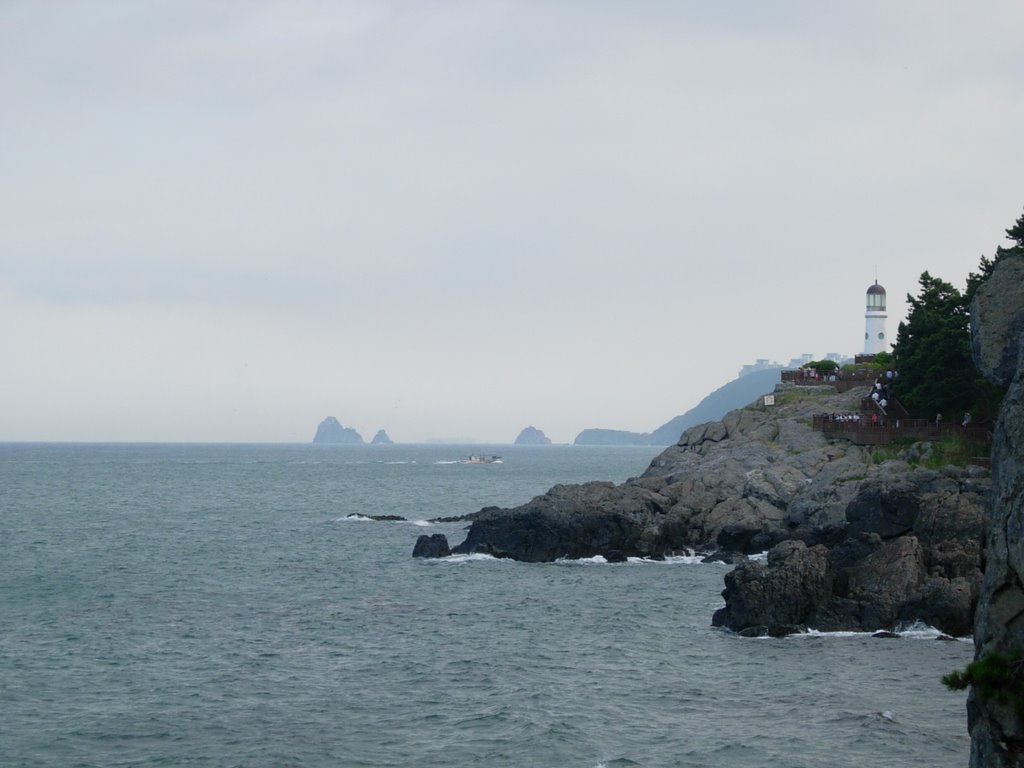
[(769, 399)]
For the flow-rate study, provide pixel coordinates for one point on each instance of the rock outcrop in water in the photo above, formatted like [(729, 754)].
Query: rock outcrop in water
[(532, 436), (381, 438), (435, 545), (330, 431), (997, 331), (854, 545)]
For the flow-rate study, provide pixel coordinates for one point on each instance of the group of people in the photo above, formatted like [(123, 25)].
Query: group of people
[(880, 389), (853, 418)]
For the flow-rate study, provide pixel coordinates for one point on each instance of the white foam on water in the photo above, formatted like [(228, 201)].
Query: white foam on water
[(421, 523), (471, 558), (760, 556), (691, 559), (355, 518), (819, 634), (916, 631), (921, 631)]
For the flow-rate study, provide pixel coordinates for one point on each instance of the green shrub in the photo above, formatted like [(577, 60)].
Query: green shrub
[(951, 450), (994, 676)]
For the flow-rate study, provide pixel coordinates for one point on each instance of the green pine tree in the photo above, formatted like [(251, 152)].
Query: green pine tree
[(933, 352), (933, 346)]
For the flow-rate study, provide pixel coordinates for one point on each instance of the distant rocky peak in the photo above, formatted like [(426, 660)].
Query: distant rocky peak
[(330, 431), (381, 438), (532, 436)]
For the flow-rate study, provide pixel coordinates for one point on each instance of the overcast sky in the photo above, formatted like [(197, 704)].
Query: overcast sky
[(224, 221)]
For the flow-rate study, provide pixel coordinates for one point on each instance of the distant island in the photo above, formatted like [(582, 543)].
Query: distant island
[(331, 432), (532, 436), (735, 394)]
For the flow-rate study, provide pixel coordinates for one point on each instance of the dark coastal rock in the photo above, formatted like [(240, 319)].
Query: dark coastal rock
[(571, 521), (381, 438), (532, 436), (743, 484), (911, 552), (996, 727), (435, 545), (785, 591), (852, 545), (729, 558), (331, 432), (454, 518)]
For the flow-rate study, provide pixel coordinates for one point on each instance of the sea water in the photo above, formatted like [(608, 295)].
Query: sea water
[(227, 605)]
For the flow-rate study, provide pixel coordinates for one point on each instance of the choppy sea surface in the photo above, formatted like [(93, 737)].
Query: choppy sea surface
[(226, 605)]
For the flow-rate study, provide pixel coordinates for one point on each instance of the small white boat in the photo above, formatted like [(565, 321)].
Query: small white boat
[(481, 459)]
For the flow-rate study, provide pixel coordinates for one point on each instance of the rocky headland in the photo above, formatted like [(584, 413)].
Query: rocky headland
[(852, 544)]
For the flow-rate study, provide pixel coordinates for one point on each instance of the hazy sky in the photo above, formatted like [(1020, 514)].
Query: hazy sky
[(224, 221)]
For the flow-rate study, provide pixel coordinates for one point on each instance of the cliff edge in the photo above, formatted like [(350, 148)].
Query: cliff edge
[(997, 334)]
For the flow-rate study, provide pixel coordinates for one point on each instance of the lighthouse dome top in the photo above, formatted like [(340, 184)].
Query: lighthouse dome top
[(876, 288)]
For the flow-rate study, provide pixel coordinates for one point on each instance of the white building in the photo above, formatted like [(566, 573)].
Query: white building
[(874, 321)]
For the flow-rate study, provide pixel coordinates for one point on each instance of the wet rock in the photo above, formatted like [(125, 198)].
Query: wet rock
[(434, 545), (730, 558)]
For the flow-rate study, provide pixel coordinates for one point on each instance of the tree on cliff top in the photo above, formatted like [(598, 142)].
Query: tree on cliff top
[(1015, 233), (986, 265), (933, 352), (933, 346)]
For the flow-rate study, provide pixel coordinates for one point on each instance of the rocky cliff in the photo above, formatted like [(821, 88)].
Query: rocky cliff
[(996, 723), (854, 544)]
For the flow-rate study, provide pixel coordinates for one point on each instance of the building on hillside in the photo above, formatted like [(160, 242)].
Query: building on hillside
[(762, 364)]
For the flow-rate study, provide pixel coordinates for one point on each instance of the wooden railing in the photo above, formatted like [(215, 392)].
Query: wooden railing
[(887, 430), (842, 381)]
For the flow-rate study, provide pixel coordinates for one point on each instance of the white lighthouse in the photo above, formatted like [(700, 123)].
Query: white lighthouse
[(874, 321)]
